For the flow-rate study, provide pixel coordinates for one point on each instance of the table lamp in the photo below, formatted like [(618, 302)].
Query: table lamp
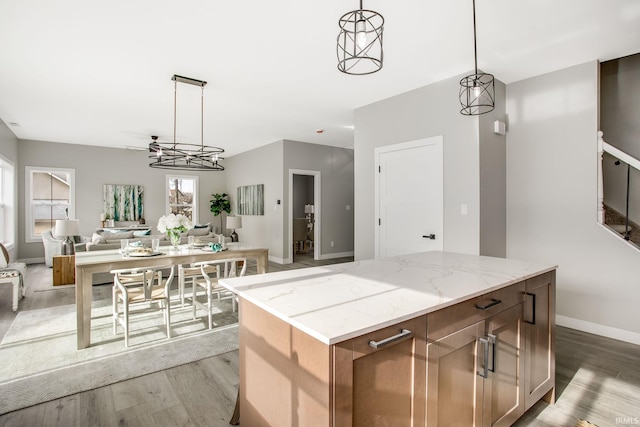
[(234, 222), (67, 228)]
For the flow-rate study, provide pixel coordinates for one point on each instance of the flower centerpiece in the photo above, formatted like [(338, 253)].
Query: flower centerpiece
[(174, 225)]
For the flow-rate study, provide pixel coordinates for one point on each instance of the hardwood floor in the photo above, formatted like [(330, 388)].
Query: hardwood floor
[(598, 380)]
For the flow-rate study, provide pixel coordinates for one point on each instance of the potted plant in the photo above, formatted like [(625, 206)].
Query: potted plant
[(220, 203)]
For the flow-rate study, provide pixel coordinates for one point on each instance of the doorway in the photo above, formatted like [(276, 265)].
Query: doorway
[(409, 197), (304, 215)]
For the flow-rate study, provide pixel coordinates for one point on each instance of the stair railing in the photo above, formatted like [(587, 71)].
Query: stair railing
[(631, 161)]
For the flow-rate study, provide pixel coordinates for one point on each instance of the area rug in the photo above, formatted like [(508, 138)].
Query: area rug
[(40, 361)]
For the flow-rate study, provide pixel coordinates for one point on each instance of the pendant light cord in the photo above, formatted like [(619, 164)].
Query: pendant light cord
[(475, 44)]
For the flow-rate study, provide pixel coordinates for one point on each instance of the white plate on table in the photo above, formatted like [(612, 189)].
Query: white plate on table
[(145, 254), (208, 249)]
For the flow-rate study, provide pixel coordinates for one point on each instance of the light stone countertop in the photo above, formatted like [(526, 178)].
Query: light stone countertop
[(337, 302)]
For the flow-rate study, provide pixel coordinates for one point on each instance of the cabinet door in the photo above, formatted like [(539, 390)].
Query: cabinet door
[(379, 377), (455, 364), (540, 339), (504, 388)]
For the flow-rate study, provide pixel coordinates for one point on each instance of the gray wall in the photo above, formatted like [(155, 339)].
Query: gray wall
[(302, 194), (551, 202), (619, 120), (493, 184), (429, 111), (9, 150), (336, 193), (270, 165), (95, 166), (260, 166)]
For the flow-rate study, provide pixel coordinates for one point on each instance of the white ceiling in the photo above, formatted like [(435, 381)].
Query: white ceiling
[(99, 73)]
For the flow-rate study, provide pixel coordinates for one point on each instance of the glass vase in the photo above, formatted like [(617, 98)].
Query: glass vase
[(174, 237)]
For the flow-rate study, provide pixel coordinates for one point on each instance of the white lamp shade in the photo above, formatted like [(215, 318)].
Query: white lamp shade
[(67, 227), (234, 222)]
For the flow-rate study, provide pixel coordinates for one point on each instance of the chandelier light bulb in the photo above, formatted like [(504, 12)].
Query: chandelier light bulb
[(361, 34)]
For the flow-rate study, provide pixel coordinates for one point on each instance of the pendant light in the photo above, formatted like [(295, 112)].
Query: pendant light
[(182, 155), (477, 91), (360, 42)]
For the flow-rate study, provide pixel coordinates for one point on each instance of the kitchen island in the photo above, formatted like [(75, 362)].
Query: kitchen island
[(396, 341)]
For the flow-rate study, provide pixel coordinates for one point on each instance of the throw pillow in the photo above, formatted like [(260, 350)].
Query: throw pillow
[(97, 238), (118, 236), (207, 225), (198, 232), (141, 233)]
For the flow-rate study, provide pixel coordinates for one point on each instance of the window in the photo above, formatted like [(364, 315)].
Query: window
[(181, 196), (7, 202), (50, 196)]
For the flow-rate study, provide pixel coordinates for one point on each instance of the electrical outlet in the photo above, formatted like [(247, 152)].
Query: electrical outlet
[(332, 243)]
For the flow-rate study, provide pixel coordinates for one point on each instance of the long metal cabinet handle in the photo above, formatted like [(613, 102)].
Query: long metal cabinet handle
[(488, 305), (533, 308), (492, 341), (404, 333), (485, 369)]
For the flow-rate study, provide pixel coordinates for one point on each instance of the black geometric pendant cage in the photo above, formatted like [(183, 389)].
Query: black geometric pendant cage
[(360, 42), (182, 155), (477, 91)]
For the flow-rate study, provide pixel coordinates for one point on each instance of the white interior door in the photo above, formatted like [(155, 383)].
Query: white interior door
[(409, 197)]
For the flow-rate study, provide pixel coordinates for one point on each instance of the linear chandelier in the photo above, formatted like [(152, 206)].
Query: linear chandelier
[(360, 42), (182, 155), (477, 91)]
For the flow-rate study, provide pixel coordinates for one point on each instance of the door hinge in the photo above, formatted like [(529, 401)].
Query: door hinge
[(379, 221), (379, 169)]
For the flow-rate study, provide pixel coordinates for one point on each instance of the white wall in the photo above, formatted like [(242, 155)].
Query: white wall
[(551, 202)]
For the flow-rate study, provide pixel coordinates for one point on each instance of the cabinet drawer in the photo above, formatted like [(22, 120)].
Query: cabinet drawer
[(537, 281), (448, 320)]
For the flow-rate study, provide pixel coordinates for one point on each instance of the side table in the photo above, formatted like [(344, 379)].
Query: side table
[(64, 270)]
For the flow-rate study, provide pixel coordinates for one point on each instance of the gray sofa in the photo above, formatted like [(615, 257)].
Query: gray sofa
[(108, 240)]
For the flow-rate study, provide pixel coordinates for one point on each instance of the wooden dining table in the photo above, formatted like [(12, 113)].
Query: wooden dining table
[(89, 263)]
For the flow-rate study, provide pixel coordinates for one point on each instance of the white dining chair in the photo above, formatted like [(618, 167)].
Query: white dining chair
[(142, 285), (212, 271)]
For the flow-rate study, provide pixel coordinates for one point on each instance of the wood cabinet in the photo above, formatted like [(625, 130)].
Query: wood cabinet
[(540, 311), (381, 376), (64, 270), (481, 362), (474, 373), (503, 389)]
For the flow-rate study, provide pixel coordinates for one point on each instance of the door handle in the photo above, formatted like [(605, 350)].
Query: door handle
[(430, 236)]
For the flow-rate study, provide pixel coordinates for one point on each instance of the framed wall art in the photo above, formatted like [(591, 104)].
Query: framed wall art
[(251, 200), (123, 202)]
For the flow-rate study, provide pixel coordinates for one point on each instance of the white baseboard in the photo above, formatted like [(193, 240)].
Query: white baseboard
[(277, 260), (32, 260), (336, 255), (597, 329)]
